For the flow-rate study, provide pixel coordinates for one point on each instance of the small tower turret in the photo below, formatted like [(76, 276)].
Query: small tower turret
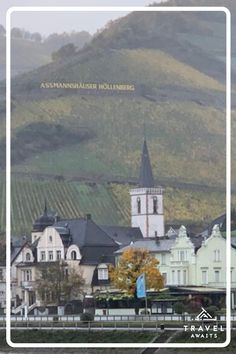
[(41, 223)]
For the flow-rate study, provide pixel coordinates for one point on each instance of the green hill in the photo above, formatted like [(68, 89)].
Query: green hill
[(108, 203), (114, 149), (97, 135)]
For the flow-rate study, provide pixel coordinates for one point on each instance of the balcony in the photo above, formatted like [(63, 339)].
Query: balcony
[(27, 284)]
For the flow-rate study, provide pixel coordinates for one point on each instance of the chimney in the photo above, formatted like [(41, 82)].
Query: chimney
[(88, 216)]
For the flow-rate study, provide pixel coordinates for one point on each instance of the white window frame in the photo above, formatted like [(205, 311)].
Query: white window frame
[(139, 206), (163, 259), (173, 276), (27, 275), (71, 255), (50, 256), (217, 275), (26, 256), (58, 253), (42, 256), (178, 276), (164, 275), (217, 255), (182, 256), (103, 273), (204, 277)]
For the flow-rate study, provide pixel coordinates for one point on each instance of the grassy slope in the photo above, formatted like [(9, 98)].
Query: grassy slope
[(143, 67), (172, 128)]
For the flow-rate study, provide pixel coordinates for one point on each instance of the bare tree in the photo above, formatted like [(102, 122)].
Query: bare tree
[(58, 283)]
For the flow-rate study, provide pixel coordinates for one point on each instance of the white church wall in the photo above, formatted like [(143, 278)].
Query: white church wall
[(149, 219)]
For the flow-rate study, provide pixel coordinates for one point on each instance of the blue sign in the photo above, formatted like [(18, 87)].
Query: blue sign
[(141, 286)]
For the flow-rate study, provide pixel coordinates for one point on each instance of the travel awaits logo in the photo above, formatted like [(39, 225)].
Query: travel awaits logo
[(204, 315), (206, 329)]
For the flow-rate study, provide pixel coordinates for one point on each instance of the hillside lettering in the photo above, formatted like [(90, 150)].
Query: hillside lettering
[(105, 86)]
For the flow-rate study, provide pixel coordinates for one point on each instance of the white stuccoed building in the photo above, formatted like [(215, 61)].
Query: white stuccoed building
[(147, 211), (189, 265)]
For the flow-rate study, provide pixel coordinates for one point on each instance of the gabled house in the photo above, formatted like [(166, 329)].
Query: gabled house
[(80, 242)]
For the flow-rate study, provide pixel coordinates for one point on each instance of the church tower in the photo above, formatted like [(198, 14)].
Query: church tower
[(147, 201)]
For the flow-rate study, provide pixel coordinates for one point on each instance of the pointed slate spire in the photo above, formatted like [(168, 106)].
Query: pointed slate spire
[(145, 175)]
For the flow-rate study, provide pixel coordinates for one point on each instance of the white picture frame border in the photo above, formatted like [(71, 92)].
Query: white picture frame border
[(10, 11)]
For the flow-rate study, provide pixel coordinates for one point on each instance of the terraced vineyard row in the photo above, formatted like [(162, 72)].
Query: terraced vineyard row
[(68, 199), (108, 203)]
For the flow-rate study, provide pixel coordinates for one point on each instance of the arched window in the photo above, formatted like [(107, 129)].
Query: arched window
[(28, 257), (154, 205), (138, 205), (73, 255)]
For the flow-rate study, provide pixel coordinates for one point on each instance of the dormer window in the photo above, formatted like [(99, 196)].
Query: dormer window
[(50, 238), (28, 257), (138, 205), (103, 273), (154, 205), (73, 255)]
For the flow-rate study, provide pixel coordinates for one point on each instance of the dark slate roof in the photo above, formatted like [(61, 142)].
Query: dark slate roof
[(33, 247), (218, 221), (93, 255), (15, 251), (95, 244), (197, 241), (151, 245), (145, 175), (84, 232), (45, 220), (123, 235)]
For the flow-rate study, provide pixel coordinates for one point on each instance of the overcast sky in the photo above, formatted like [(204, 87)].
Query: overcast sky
[(46, 22)]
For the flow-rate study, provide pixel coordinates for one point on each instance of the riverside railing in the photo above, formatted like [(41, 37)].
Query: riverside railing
[(112, 318)]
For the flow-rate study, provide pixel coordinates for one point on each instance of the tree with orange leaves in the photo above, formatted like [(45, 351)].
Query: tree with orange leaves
[(132, 263)]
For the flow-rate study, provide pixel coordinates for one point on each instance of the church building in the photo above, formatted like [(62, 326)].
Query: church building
[(147, 211)]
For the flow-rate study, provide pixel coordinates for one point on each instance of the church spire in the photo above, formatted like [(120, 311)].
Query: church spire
[(145, 175)]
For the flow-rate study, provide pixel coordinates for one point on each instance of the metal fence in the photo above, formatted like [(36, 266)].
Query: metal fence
[(112, 318)]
